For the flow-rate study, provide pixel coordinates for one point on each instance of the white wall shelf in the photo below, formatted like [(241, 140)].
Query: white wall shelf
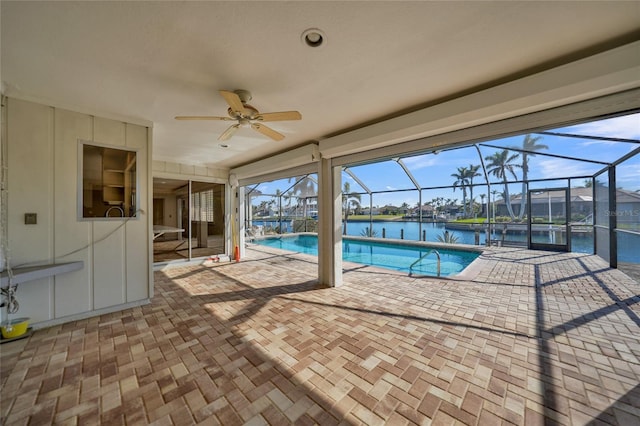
[(31, 273)]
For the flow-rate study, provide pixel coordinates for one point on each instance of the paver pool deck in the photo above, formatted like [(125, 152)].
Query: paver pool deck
[(527, 338)]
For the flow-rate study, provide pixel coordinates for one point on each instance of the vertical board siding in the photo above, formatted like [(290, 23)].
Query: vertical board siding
[(109, 254), (73, 291), (137, 260), (30, 191), (43, 178), (108, 264), (30, 182)]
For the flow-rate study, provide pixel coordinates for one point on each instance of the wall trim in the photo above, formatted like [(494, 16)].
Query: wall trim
[(89, 314), (79, 109)]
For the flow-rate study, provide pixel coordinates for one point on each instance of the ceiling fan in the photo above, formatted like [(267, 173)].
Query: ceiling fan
[(246, 116)]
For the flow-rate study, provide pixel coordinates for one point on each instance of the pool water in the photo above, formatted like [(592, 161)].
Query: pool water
[(398, 257)]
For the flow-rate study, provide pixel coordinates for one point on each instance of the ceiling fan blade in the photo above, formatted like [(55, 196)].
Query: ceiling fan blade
[(233, 100), (280, 116), (202, 117), (267, 131), (229, 132)]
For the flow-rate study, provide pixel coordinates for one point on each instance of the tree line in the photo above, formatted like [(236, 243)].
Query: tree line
[(503, 165)]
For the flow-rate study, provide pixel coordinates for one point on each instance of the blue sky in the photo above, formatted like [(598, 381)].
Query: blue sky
[(435, 170)]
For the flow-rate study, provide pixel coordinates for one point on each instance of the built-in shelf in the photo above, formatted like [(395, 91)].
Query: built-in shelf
[(114, 164), (113, 184), (109, 180), (31, 273)]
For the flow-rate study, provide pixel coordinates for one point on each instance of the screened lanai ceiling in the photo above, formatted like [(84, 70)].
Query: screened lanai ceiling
[(576, 152), (564, 156)]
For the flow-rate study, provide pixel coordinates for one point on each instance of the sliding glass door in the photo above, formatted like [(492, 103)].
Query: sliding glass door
[(188, 219)]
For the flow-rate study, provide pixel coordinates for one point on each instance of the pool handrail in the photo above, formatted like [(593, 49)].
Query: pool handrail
[(422, 257)]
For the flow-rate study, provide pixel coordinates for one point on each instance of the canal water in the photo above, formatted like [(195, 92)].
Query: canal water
[(580, 242)]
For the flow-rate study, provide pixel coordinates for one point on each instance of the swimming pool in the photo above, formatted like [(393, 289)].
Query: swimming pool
[(398, 257)]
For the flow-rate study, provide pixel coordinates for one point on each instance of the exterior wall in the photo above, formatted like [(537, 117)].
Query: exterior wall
[(43, 178)]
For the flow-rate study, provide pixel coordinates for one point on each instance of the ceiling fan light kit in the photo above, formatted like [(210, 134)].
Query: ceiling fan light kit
[(246, 116)]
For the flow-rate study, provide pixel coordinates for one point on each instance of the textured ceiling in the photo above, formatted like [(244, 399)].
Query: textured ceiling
[(154, 60)]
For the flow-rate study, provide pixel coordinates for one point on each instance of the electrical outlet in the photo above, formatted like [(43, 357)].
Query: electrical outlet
[(31, 218)]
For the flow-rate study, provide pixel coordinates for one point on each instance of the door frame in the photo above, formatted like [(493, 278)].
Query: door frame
[(567, 225)]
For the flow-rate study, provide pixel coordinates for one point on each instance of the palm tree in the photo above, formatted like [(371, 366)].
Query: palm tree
[(501, 165), (449, 204), (304, 188), (405, 207), (472, 172), (438, 204), (277, 196), (528, 146), (263, 208), (447, 237), (366, 232), (588, 183), (287, 198), (349, 199), (493, 204), (462, 180)]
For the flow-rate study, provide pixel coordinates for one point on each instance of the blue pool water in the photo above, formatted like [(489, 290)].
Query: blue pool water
[(580, 242), (398, 257)]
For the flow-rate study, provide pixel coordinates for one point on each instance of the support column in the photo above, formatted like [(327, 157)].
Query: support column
[(613, 219), (329, 225), (237, 220)]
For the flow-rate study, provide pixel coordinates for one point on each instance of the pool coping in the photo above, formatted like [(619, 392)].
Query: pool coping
[(435, 244), (469, 273)]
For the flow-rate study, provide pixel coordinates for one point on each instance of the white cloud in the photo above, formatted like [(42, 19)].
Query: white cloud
[(420, 162), (625, 127), (558, 167), (431, 160)]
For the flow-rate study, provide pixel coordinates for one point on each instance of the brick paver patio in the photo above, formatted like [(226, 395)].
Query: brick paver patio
[(528, 338)]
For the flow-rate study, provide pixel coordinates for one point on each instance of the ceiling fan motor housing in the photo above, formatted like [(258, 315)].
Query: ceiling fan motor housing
[(246, 114), (250, 113), (244, 95)]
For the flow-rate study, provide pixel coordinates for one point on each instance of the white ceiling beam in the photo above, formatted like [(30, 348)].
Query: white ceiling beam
[(287, 160), (602, 74)]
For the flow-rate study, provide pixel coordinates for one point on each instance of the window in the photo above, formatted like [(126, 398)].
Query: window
[(108, 182)]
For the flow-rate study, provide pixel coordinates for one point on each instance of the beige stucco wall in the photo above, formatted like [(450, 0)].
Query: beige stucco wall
[(43, 179)]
